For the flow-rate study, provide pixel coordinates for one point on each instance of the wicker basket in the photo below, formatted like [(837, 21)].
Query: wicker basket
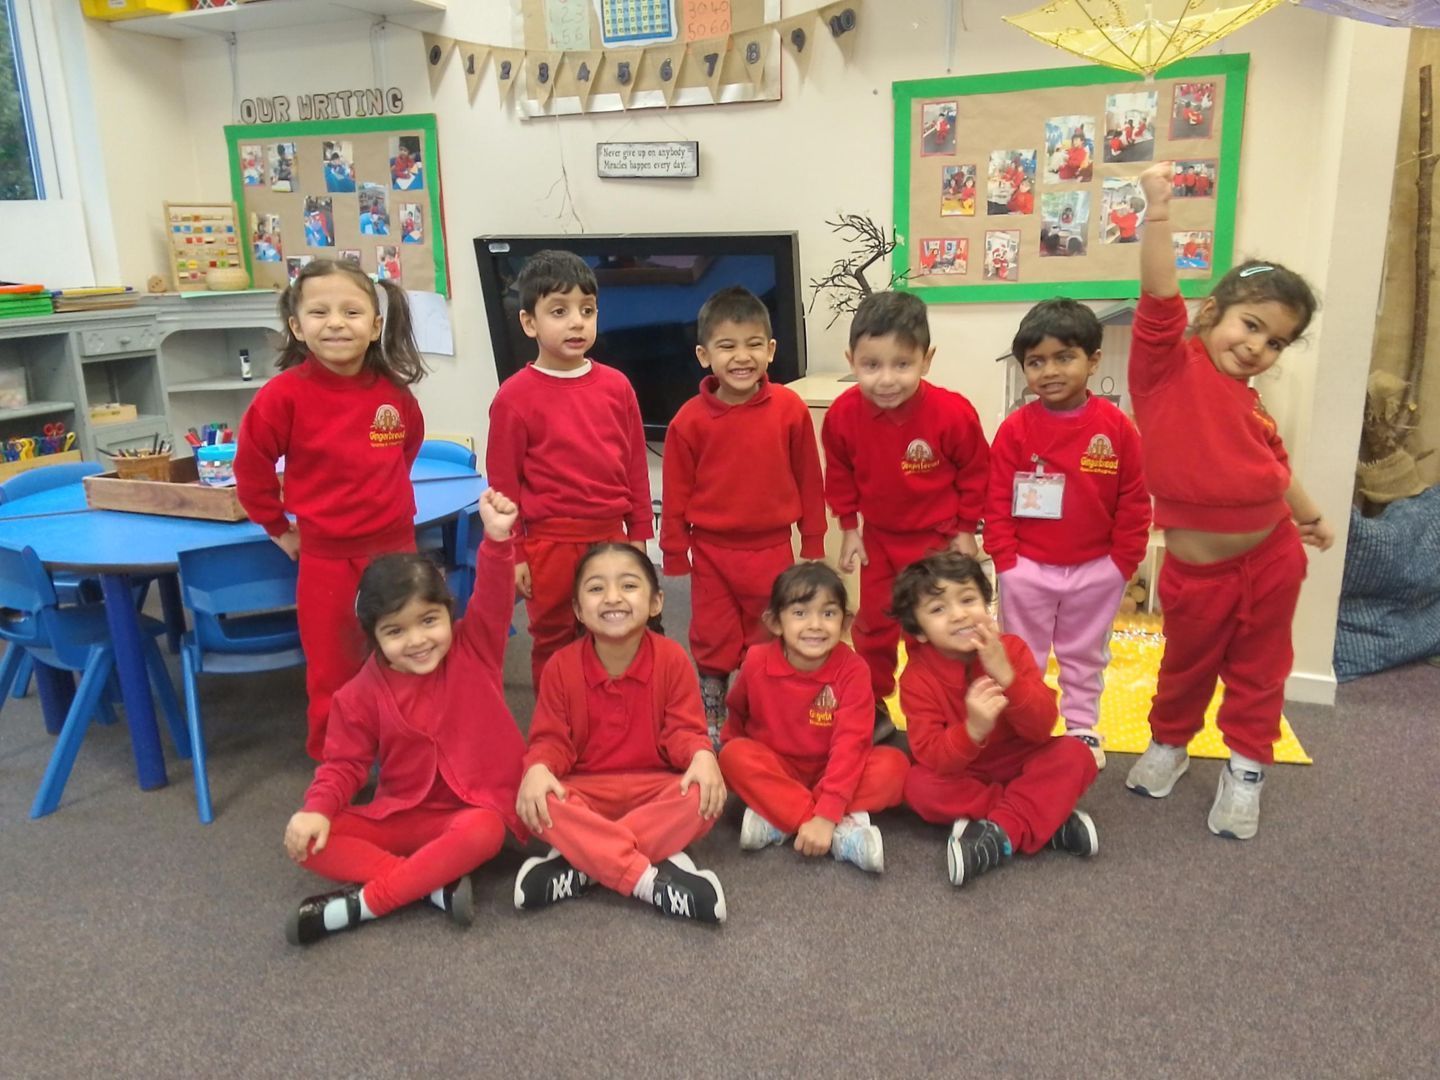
[(144, 467)]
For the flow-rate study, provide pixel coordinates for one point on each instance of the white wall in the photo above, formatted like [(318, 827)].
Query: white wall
[(1317, 85)]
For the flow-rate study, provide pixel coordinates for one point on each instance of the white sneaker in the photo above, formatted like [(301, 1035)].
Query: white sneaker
[(1235, 814), (1158, 769), (858, 842), (1091, 739), (757, 833)]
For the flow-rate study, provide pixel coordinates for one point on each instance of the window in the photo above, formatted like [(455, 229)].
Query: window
[(19, 162)]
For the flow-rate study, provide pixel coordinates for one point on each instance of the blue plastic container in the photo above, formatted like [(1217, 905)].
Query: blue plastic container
[(216, 464)]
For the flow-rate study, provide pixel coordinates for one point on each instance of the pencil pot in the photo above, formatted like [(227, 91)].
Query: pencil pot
[(216, 464), (144, 467)]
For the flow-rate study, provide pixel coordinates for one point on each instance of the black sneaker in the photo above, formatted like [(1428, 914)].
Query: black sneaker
[(687, 893), (460, 901), (975, 847), (306, 924), (1077, 835), (884, 726), (547, 879)]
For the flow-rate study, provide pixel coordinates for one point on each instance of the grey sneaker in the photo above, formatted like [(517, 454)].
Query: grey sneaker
[(975, 847), (756, 833), (1236, 812), (548, 879), (1077, 835), (1157, 770), (1091, 739), (858, 842)]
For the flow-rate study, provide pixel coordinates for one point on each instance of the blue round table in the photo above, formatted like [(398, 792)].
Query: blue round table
[(112, 545)]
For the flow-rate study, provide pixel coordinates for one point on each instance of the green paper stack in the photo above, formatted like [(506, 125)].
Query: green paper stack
[(24, 301)]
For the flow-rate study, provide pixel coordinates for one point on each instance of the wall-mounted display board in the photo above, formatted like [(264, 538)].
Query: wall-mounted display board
[(366, 190), (1024, 185)]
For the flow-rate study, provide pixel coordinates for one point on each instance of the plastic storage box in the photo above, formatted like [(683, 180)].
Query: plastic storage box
[(130, 9)]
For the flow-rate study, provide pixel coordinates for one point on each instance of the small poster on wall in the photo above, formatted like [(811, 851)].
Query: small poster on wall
[(1130, 127), (1122, 209), (1002, 255), (1011, 182), (945, 255), (957, 198)]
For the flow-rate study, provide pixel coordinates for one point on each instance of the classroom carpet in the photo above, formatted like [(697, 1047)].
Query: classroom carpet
[(1135, 650)]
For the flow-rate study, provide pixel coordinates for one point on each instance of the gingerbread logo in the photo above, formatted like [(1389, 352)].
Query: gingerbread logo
[(1100, 457), (822, 709), (920, 457), (387, 429), (1266, 420)]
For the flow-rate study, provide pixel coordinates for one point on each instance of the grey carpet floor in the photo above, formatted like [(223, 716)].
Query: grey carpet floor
[(136, 942)]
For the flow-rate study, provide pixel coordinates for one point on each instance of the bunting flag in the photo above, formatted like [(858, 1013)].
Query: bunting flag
[(797, 37), (707, 56), (624, 65), (540, 71), (507, 64), (472, 60), (437, 55), (840, 21), (665, 63), (582, 72), (754, 48)]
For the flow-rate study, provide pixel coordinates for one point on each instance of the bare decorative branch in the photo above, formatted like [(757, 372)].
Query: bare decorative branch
[(846, 284)]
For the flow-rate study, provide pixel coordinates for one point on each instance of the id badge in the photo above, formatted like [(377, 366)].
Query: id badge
[(1038, 495)]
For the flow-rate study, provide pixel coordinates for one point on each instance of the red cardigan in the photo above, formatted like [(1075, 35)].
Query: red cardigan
[(741, 475), (932, 695), (473, 743), (1213, 458), (660, 684), (821, 717)]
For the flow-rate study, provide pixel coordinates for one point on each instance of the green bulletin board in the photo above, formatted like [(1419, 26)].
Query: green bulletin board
[(365, 188), (1005, 185)]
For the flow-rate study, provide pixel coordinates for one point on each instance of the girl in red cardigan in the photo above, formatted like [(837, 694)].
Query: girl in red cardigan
[(342, 416), (429, 707), (796, 746), (620, 776)]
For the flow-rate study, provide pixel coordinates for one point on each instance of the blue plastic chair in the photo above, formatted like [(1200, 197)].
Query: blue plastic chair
[(442, 542), (75, 639), (461, 577), (445, 450), (242, 607)]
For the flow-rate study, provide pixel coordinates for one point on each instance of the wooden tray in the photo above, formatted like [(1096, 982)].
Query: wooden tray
[(184, 496)]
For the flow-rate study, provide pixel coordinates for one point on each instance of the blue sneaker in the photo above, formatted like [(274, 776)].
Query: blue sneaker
[(858, 842), (756, 833)]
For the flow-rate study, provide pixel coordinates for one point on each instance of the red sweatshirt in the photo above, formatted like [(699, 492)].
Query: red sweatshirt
[(571, 448), (741, 475), (649, 718), (1214, 460), (932, 695), (457, 727), (919, 467), (348, 443), (1106, 507), (821, 717)]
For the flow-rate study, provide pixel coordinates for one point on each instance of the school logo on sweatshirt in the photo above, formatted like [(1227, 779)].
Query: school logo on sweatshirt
[(1266, 420), (387, 429), (822, 709), (920, 457), (1100, 457)]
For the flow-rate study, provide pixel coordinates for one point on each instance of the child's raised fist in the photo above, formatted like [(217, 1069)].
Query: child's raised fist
[(497, 514), (1157, 182)]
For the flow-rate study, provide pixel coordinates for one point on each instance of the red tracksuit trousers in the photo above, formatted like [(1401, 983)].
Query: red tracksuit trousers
[(875, 634), (1029, 795), (1230, 620), (729, 590), (781, 789), (613, 826), (553, 549), (334, 646), (408, 855)]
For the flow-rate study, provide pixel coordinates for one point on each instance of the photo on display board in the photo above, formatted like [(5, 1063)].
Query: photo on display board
[(407, 171), (1192, 112), (295, 263), (387, 262), (1193, 250), (957, 191), (945, 255), (1010, 185), (1130, 126), (339, 166), (265, 236), (1069, 149), (412, 224), (374, 218), (1194, 179), (1002, 255), (252, 165), (319, 222), (282, 165), (350, 255), (937, 128), (1064, 223), (1122, 210)]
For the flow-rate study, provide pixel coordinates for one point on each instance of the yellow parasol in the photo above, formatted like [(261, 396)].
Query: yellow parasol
[(1137, 35)]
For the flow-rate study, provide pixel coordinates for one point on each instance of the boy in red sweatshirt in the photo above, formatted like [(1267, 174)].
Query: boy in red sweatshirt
[(1068, 515), (741, 468), (980, 720), (566, 440), (908, 456)]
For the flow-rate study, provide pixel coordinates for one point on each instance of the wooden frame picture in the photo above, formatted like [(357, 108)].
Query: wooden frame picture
[(203, 237)]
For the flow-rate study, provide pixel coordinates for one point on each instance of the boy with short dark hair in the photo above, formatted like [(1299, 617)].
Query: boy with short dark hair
[(741, 468), (980, 717), (908, 456), (566, 442), (1067, 517)]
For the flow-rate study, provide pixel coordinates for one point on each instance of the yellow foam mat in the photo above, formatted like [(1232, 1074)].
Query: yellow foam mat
[(1135, 650)]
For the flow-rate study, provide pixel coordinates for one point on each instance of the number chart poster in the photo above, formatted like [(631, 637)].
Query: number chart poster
[(1050, 160), (666, 66)]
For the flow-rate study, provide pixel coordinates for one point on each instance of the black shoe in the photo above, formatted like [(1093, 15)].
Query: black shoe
[(687, 893), (884, 726), (974, 848), (1077, 835), (306, 924), (548, 879), (459, 899)]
